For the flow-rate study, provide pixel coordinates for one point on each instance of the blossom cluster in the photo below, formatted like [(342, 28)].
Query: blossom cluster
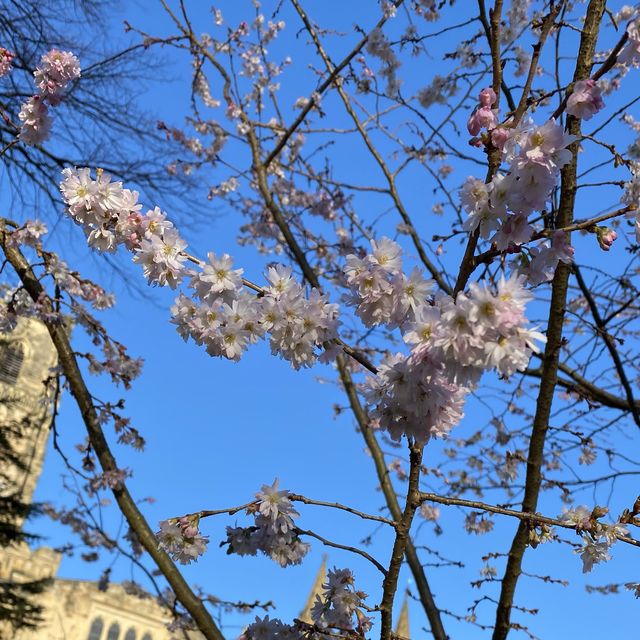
[(112, 479), (117, 363), (413, 397), (333, 610), (78, 287), (452, 341), (380, 291), (544, 257), (28, 234), (16, 303), (6, 58), (517, 19), (483, 116), (339, 603), (597, 536), (181, 538), (379, 47), (273, 532), (499, 210), (226, 319), (110, 216), (271, 629), (221, 315), (56, 70), (478, 331)]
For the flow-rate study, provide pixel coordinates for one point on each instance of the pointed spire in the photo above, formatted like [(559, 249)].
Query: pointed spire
[(316, 590), (402, 626)]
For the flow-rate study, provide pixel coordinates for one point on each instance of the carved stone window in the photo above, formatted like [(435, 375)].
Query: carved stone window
[(11, 358), (114, 632), (130, 635), (95, 633)]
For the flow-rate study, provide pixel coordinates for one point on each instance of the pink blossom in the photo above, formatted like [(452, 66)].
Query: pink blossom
[(499, 136), (546, 145), (593, 553), (483, 116), (545, 258), (36, 122), (6, 58), (515, 230), (585, 100), (181, 538), (273, 532), (56, 70), (339, 602)]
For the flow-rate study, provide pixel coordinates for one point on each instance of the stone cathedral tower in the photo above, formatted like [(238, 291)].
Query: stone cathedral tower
[(27, 357)]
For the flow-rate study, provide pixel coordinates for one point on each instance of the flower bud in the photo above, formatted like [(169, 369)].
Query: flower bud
[(606, 237), (487, 97), (499, 136), (598, 512)]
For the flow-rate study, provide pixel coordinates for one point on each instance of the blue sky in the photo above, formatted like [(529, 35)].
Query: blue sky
[(217, 430)]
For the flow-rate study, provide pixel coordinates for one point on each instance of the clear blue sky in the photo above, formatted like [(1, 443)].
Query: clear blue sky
[(217, 430)]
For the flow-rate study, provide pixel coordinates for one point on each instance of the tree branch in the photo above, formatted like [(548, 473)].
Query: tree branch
[(548, 380), (81, 394)]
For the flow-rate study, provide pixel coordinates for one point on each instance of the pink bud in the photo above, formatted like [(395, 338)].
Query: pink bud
[(606, 237), (190, 531), (487, 117), (499, 136), (487, 97), (482, 118), (473, 126)]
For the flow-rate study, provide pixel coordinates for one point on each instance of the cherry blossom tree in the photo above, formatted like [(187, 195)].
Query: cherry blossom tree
[(516, 291)]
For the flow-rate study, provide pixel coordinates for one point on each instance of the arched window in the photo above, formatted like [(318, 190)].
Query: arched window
[(114, 632), (130, 635), (11, 357), (147, 636), (95, 633)]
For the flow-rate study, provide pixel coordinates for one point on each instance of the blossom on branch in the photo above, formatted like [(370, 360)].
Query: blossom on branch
[(6, 58), (452, 341), (585, 99), (181, 539), (339, 602), (36, 121), (57, 68), (273, 532)]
